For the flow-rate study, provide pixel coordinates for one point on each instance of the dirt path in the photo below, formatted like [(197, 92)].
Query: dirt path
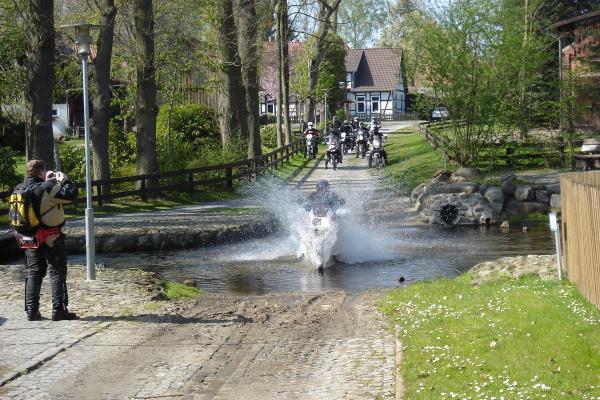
[(326, 345), (283, 346)]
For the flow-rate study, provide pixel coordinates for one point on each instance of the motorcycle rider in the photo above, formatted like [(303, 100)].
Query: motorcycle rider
[(365, 133), (311, 130), (376, 135), (323, 197), (355, 124), (335, 124)]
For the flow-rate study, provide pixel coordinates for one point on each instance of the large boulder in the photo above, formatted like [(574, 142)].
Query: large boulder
[(542, 196), (553, 188), (475, 208), (524, 208), (555, 201), (524, 193), (508, 188), (465, 175), (495, 196)]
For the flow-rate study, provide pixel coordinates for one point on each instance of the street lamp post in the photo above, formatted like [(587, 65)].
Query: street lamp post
[(83, 41)]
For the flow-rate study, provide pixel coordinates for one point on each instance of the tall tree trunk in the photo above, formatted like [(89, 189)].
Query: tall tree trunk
[(145, 102), (279, 102), (40, 81), (232, 96), (246, 21), (325, 13), (285, 67), (101, 100)]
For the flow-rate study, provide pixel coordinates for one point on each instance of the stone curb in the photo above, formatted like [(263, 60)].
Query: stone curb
[(399, 382), (46, 356)]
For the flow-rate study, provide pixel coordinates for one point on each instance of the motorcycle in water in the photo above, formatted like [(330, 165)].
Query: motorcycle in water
[(361, 143), (331, 156), (319, 235), (376, 157), (310, 146)]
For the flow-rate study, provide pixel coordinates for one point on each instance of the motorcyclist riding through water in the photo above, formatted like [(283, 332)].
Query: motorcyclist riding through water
[(323, 197)]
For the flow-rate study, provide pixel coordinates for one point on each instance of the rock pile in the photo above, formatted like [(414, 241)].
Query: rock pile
[(481, 203), (514, 267)]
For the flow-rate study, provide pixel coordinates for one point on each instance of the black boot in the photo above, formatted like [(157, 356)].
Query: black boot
[(34, 315), (63, 315)]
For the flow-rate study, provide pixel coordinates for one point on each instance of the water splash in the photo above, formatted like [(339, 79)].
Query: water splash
[(358, 239)]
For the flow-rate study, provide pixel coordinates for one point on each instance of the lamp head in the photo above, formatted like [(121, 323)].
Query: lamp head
[(83, 40)]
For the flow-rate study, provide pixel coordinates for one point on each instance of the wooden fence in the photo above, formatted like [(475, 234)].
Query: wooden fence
[(580, 198), (185, 180), (503, 153)]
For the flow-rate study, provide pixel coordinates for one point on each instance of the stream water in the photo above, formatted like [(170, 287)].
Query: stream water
[(366, 259)]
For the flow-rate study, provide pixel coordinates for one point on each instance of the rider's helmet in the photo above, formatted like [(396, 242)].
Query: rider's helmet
[(355, 119), (334, 118), (345, 122), (310, 125), (322, 185), (373, 121)]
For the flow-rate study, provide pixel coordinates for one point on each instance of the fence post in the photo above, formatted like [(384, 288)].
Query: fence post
[(191, 183), (99, 194), (561, 151), (509, 156), (143, 187), (229, 174)]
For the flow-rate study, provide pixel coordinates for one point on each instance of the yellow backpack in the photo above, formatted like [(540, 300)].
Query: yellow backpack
[(21, 213)]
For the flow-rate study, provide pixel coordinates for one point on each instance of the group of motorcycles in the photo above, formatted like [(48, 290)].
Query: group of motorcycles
[(341, 142)]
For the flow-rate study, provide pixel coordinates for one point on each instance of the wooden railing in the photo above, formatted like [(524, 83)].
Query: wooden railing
[(186, 180), (580, 201), (500, 153)]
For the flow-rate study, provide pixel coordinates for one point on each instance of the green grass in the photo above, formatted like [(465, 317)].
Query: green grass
[(411, 160), (176, 291), (512, 339), (294, 167)]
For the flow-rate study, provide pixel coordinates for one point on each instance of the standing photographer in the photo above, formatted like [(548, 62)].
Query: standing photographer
[(49, 191)]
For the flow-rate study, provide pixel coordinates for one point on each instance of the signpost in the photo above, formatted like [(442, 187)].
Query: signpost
[(555, 228)]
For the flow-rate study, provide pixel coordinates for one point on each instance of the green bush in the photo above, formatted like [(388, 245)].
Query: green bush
[(12, 135), (267, 119), (341, 114), (193, 139), (121, 149), (8, 174), (72, 158), (268, 136)]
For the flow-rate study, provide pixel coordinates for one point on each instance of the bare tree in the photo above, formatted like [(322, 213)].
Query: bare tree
[(284, 67), (145, 105), (40, 80), (101, 100), (247, 38), (326, 12)]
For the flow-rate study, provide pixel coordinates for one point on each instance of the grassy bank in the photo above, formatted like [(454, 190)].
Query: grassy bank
[(507, 339), (411, 160)]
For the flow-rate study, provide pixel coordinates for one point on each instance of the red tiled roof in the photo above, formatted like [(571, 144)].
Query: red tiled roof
[(378, 69)]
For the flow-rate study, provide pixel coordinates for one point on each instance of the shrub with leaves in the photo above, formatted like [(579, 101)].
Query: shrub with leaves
[(268, 135), (72, 157), (8, 174), (121, 149)]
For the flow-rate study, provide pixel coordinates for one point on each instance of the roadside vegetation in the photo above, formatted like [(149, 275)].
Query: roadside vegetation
[(506, 339), (176, 291), (411, 160)]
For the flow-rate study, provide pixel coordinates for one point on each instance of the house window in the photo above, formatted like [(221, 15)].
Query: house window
[(360, 104), (375, 104), (270, 108)]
